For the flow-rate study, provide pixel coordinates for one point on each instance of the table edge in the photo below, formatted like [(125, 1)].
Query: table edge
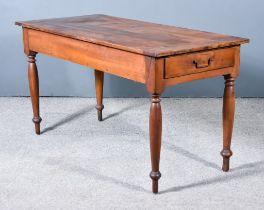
[(154, 54)]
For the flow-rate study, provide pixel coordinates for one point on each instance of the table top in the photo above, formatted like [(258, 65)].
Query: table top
[(155, 40)]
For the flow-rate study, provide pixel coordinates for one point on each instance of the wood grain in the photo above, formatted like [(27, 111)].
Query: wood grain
[(151, 39)]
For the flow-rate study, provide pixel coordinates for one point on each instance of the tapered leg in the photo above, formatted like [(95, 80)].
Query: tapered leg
[(228, 119), (99, 84), (155, 127), (34, 90)]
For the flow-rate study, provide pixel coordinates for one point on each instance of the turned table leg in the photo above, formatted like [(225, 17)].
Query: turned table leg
[(34, 90), (228, 119), (155, 127), (99, 84)]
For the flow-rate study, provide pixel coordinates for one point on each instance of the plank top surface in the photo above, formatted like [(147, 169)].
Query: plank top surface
[(140, 37)]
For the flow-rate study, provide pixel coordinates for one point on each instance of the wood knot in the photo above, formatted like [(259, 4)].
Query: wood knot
[(155, 175), (99, 107), (155, 98), (36, 120), (226, 153)]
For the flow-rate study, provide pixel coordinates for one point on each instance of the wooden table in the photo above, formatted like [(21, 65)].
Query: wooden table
[(153, 54)]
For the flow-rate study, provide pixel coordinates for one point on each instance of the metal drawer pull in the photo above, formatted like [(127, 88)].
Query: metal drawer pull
[(202, 63)]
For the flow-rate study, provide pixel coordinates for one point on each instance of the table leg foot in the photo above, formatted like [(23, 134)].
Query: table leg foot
[(228, 120), (36, 121), (99, 112), (155, 176), (155, 128), (226, 154)]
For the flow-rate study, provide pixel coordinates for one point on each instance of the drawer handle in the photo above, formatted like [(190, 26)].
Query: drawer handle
[(201, 63)]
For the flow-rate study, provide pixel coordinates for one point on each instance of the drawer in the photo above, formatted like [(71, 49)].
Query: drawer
[(193, 63)]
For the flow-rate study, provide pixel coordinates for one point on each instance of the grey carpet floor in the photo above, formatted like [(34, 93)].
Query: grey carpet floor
[(80, 163)]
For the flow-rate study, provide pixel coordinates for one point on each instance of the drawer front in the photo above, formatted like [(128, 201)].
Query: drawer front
[(199, 62)]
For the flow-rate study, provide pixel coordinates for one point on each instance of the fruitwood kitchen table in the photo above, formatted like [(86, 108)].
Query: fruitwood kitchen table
[(153, 54)]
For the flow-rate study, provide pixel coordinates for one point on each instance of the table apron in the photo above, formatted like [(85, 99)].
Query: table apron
[(117, 62)]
